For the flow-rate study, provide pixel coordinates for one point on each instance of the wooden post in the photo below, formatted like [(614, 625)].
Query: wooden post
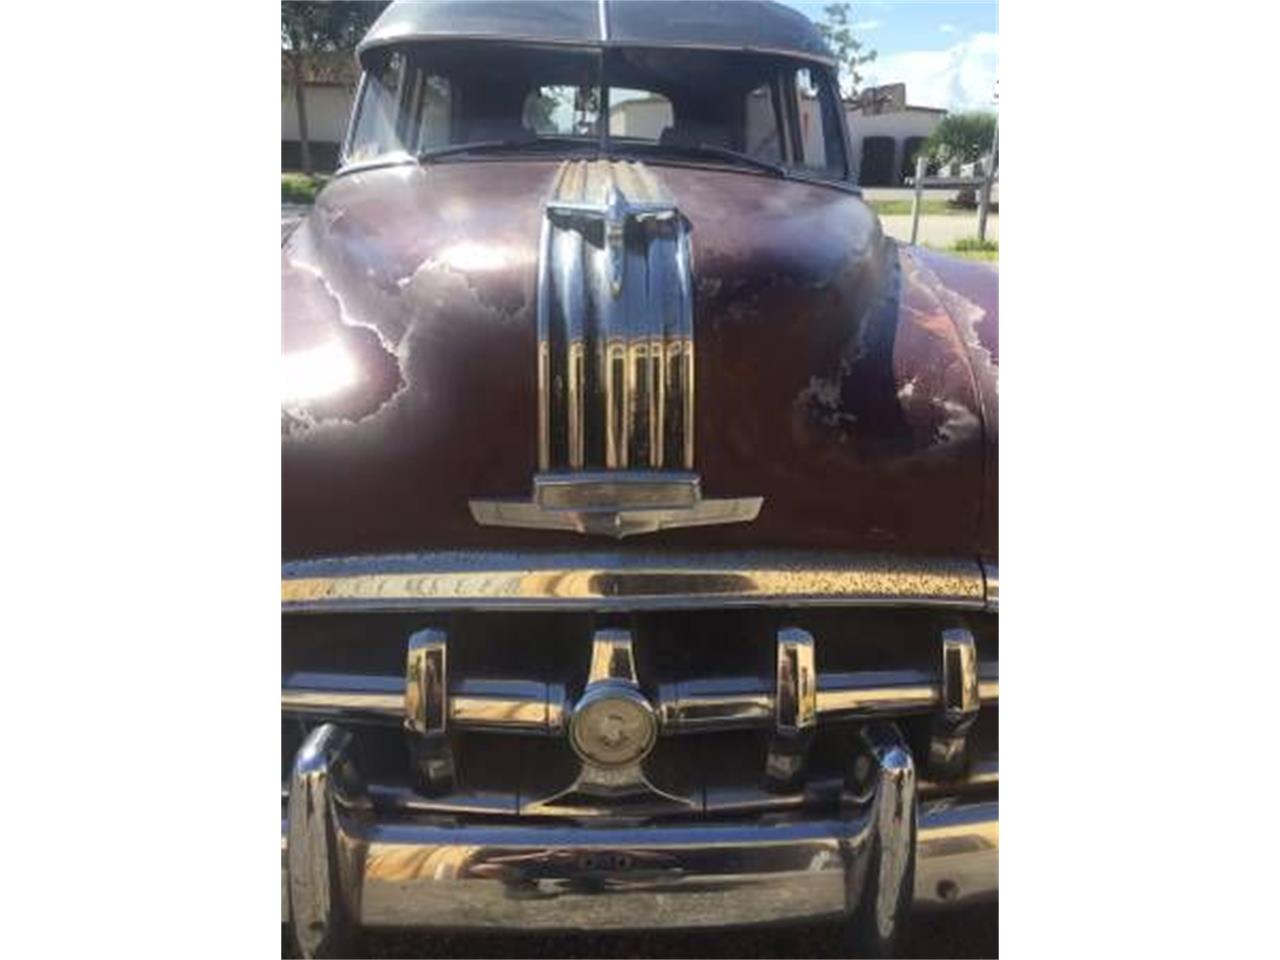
[(988, 174), (915, 199)]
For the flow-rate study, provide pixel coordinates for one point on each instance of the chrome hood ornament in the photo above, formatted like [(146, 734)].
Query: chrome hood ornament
[(615, 364)]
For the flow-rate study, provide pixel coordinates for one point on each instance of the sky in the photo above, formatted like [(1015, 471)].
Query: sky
[(947, 53)]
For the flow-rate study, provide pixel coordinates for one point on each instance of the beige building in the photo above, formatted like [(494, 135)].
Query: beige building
[(329, 89), (886, 133)]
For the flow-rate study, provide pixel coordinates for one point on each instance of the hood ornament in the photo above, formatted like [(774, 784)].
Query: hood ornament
[(615, 364)]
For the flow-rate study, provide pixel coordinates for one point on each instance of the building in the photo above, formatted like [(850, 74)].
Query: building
[(329, 88), (886, 133)]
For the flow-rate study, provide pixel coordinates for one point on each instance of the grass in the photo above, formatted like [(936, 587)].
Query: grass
[(927, 208), (299, 187), (971, 248)]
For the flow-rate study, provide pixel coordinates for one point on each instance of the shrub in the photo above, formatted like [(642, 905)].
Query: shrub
[(973, 244), (299, 187)]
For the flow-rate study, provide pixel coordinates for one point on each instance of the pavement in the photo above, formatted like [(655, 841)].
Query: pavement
[(906, 193), (939, 230)]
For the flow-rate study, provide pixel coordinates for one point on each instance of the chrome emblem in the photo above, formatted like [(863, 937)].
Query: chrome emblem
[(614, 730), (615, 364)]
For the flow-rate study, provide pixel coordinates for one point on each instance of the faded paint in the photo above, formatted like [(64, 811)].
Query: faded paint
[(835, 372)]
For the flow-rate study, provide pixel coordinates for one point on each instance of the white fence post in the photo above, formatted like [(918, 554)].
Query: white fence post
[(915, 200)]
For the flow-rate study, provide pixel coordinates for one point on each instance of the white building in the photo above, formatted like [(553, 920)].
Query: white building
[(329, 89), (886, 133)]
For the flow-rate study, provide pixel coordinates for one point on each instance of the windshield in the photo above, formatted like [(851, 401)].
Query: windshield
[(424, 97)]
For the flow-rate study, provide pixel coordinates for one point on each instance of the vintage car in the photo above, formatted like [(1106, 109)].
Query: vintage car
[(639, 496)]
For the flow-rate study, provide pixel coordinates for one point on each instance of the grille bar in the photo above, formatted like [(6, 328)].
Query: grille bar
[(713, 704)]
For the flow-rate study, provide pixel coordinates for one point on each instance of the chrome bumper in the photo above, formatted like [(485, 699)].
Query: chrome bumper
[(344, 868)]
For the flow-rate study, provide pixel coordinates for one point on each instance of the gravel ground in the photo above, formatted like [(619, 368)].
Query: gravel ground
[(971, 933)]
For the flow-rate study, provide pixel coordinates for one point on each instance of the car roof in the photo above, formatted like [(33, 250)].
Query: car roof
[(749, 25)]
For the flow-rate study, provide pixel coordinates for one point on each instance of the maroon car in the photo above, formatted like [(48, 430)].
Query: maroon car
[(639, 504)]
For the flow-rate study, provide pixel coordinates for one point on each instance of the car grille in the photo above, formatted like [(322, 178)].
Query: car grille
[(512, 679)]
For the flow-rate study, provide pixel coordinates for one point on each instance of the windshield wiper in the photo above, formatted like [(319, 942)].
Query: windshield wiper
[(722, 153), (483, 146)]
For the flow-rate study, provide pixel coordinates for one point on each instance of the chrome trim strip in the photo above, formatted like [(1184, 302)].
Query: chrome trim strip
[(512, 706), (345, 694), (960, 701), (544, 351), (795, 707), (718, 703), (343, 703), (715, 703), (605, 580), (797, 690), (991, 575), (426, 682)]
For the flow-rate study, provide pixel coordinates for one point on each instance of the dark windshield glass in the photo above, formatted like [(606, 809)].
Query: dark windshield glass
[(430, 95)]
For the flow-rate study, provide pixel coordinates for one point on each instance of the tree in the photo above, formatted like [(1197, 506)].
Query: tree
[(309, 28), (961, 137), (838, 32)]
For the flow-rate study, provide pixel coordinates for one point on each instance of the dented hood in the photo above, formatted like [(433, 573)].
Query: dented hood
[(838, 377)]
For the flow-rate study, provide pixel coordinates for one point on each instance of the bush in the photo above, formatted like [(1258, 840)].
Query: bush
[(299, 188), (973, 245)]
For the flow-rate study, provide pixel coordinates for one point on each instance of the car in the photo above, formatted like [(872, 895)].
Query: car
[(639, 497)]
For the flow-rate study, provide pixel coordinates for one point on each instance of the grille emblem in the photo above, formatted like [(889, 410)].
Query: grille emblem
[(615, 364)]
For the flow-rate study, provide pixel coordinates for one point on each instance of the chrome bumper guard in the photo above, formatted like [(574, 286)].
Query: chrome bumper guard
[(345, 869)]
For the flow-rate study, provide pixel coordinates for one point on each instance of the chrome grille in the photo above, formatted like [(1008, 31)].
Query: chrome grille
[(615, 324), (727, 739)]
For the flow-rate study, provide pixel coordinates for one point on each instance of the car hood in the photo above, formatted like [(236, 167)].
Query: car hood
[(836, 373)]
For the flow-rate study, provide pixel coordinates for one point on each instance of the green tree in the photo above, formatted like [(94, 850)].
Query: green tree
[(308, 28), (838, 32), (961, 137)]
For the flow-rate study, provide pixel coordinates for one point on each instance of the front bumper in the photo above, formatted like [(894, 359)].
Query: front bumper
[(346, 867)]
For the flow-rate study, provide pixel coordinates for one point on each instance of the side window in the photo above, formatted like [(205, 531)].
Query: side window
[(763, 138), (638, 114), (403, 108), (818, 121), (375, 130), (428, 112)]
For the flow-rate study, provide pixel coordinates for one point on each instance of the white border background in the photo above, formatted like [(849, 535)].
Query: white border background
[(141, 477)]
